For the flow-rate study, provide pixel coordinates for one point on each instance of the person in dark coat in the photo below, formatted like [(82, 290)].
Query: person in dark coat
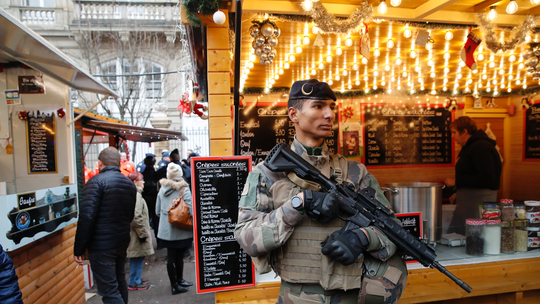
[(9, 282), (150, 191), (105, 214), (142, 165), (191, 154), (478, 172)]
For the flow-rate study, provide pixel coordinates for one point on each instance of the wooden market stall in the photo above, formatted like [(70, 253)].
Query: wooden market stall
[(396, 72), (37, 160)]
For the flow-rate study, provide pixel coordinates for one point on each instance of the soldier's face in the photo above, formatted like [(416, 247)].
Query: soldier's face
[(315, 120)]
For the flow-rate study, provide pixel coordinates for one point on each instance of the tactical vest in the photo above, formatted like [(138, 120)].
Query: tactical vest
[(300, 259)]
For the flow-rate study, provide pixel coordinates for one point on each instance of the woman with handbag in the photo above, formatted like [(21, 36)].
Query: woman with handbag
[(140, 244), (175, 239)]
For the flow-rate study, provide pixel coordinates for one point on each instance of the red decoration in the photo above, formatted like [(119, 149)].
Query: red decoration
[(188, 106), (347, 113), (61, 113), (23, 115)]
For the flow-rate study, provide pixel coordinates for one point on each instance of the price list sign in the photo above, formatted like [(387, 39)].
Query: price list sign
[(41, 139), (263, 127), (407, 136), (221, 264), (531, 136)]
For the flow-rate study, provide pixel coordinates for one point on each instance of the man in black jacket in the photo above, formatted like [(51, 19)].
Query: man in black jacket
[(105, 215)]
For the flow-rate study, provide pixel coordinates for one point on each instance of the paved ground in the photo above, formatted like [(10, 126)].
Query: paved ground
[(155, 270)]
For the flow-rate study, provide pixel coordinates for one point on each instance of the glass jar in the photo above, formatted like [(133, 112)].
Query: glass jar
[(533, 239), (520, 211), (474, 230), (492, 236), (532, 209), (490, 210), (507, 211), (520, 235), (507, 237)]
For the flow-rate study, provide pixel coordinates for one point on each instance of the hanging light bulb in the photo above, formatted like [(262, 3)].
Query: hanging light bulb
[(366, 78), (429, 46), (375, 87), (395, 2), (407, 33), (364, 60), (330, 82), (375, 73), (446, 70), (382, 8), (417, 69), (252, 57), (377, 53), (491, 64), (276, 77), (448, 36), (398, 61), (328, 58), (413, 54), (404, 74), (313, 72), (339, 51), (345, 73), (535, 2), (383, 83), (298, 50), (432, 75), (286, 65), (321, 66), (430, 62), (512, 58), (492, 15), (348, 41), (387, 68), (512, 7), (521, 66), (315, 29), (349, 87), (355, 67), (281, 71), (390, 44), (250, 65), (292, 58), (446, 55), (305, 41), (480, 57)]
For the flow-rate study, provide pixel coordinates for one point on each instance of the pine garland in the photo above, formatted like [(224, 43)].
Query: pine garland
[(362, 93), (204, 7)]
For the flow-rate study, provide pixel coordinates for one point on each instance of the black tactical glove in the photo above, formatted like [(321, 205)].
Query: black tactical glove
[(321, 207), (345, 246)]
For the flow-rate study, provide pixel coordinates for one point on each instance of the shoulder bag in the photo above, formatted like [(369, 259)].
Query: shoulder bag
[(179, 213)]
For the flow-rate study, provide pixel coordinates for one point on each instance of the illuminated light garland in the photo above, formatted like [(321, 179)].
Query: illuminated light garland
[(517, 36)]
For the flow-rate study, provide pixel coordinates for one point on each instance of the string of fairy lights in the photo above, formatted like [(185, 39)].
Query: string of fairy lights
[(395, 65)]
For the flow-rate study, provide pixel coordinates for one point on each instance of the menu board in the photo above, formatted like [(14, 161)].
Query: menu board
[(407, 136), (532, 132), (221, 264), (41, 140), (261, 128)]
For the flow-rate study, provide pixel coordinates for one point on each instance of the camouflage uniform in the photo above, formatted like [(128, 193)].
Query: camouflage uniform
[(279, 237)]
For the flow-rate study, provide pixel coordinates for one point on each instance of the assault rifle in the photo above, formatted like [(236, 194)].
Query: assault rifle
[(358, 208)]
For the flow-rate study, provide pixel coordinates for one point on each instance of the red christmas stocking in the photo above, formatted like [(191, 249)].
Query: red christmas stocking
[(467, 53)]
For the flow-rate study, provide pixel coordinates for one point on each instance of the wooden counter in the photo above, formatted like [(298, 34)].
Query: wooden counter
[(508, 282)]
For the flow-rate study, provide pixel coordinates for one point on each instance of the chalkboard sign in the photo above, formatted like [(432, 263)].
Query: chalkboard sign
[(261, 128), (41, 140), (412, 222), (407, 136), (532, 132), (221, 263)]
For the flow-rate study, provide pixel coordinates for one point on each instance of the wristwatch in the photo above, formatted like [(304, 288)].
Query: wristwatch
[(297, 203)]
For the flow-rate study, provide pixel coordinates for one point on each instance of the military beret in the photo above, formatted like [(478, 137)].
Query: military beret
[(311, 89), (150, 154)]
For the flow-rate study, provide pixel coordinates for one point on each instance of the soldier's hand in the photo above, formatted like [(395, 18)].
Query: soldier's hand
[(345, 246), (320, 206)]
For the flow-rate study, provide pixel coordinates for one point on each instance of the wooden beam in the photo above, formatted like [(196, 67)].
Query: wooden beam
[(535, 11), (481, 6), (432, 6), (345, 10)]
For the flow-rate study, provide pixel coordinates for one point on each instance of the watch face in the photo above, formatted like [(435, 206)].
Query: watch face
[(296, 202)]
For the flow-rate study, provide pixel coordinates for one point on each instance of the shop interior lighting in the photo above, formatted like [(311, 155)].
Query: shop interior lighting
[(512, 7), (395, 3), (382, 8), (448, 36), (492, 15)]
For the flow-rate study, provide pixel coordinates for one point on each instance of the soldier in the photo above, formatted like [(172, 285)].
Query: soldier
[(284, 223)]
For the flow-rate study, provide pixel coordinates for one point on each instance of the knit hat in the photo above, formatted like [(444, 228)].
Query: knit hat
[(174, 171)]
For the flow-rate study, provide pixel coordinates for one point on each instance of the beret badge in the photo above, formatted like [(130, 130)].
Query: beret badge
[(304, 91)]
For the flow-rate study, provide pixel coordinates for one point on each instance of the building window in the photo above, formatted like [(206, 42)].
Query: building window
[(154, 81), (144, 83), (39, 3)]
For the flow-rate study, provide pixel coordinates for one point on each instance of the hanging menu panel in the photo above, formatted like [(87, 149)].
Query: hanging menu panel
[(41, 140), (221, 264), (407, 136), (532, 132), (261, 128)]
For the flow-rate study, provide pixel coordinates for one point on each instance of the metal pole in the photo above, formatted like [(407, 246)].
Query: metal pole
[(237, 48), (88, 110)]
